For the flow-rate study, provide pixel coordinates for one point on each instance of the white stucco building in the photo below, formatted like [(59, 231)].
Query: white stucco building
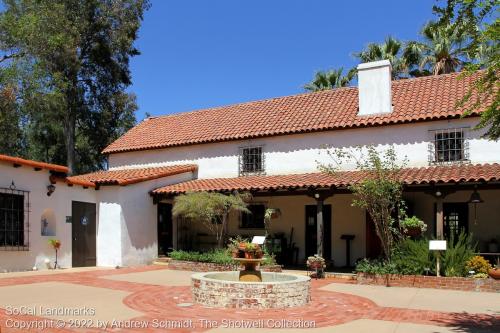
[(272, 148)]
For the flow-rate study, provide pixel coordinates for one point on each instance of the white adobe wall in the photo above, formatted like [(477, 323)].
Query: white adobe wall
[(25, 178), (300, 153), (127, 223)]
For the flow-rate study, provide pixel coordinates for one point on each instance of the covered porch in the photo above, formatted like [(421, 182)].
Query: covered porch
[(316, 215)]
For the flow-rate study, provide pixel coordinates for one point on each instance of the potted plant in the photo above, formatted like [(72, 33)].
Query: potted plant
[(237, 246), (56, 245), (253, 251), (272, 213), (494, 272), (413, 226), (317, 264)]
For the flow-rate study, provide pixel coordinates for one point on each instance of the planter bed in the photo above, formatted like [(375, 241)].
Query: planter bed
[(437, 282), (196, 266)]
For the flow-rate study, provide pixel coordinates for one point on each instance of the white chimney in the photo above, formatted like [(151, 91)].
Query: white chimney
[(374, 88)]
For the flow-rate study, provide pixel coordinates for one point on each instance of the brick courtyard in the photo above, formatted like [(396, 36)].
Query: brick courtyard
[(153, 296)]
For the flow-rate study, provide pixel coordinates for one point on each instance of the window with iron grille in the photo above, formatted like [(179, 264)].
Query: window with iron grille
[(14, 221), (450, 145), (251, 160), (254, 219)]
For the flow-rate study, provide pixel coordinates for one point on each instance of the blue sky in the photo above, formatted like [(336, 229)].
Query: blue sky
[(198, 53)]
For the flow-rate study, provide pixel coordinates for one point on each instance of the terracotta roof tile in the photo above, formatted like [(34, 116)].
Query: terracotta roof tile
[(129, 176), (420, 99), (410, 176), (34, 164)]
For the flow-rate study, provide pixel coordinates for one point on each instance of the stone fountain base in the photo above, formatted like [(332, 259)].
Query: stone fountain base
[(224, 290)]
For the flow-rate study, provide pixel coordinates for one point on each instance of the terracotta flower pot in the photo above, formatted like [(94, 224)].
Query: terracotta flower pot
[(494, 273), (249, 255)]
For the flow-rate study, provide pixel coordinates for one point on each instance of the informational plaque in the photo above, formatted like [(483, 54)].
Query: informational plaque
[(258, 239), (437, 245)]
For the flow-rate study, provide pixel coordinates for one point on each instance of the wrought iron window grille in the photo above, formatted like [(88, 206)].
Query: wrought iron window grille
[(448, 146), (251, 161), (14, 219)]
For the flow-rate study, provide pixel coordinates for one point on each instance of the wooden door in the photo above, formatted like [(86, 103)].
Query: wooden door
[(373, 244), (84, 234), (165, 229)]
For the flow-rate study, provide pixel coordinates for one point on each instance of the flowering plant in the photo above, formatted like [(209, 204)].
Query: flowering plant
[(56, 244), (316, 262)]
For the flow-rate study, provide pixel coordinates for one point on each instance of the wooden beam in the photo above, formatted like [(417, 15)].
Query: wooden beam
[(320, 227), (439, 219)]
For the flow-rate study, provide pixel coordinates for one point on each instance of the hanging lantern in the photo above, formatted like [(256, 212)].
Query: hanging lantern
[(475, 198)]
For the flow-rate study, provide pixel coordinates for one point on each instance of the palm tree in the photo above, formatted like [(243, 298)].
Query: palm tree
[(441, 51), (330, 79), (391, 49)]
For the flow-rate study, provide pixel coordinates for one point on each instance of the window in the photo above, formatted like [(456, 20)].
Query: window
[(449, 146), (13, 220), (254, 220), (251, 160)]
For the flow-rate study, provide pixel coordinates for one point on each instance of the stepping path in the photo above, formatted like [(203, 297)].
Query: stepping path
[(158, 295)]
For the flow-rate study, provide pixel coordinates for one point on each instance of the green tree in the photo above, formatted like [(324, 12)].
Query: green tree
[(479, 21), (210, 209), (391, 49), (11, 135), (441, 51), (78, 52), (326, 80), (379, 191)]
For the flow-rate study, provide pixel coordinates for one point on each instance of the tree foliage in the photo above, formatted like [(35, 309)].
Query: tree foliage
[(379, 190), (326, 80), (70, 62), (479, 21), (210, 209)]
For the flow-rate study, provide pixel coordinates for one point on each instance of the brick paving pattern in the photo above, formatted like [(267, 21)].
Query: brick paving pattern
[(162, 303)]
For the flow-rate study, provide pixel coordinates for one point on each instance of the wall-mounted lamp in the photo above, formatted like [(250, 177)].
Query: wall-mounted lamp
[(316, 195), (50, 189), (438, 193), (12, 186)]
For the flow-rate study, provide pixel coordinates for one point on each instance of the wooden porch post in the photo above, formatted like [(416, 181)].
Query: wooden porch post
[(439, 219), (320, 228)]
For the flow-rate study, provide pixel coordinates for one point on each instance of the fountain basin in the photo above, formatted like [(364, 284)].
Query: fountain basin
[(224, 290)]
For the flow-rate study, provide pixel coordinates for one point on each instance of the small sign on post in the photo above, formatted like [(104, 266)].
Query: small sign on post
[(258, 239), (437, 245)]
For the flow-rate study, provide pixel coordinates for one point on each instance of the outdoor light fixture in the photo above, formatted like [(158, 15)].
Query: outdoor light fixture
[(438, 193), (316, 195), (50, 189), (475, 198)]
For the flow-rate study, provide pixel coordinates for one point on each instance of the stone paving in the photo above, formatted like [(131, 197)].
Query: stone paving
[(153, 303)]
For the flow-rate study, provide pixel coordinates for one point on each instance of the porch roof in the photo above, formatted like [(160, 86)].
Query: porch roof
[(17, 161), (129, 176), (319, 180)]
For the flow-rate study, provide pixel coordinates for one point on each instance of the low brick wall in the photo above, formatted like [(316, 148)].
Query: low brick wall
[(211, 267), (420, 281), (222, 291)]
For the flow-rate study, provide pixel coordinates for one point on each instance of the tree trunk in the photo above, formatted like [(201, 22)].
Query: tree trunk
[(220, 241), (69, 129)]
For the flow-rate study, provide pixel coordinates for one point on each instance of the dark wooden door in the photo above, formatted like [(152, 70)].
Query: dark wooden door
[(456, 218), (312, 233), (373, 244), (165, 230), (84, 233)]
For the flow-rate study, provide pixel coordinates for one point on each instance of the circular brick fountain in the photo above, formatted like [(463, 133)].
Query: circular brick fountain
[(225, 290)]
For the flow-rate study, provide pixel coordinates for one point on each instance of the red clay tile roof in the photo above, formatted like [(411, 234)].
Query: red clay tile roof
[(410, 176), (16, 161), (129, 176), (420, 99)]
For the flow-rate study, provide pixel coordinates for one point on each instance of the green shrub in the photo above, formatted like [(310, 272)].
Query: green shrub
[(375, 267), (478, 265), (413, 257), (457, 253), (218, 256)]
